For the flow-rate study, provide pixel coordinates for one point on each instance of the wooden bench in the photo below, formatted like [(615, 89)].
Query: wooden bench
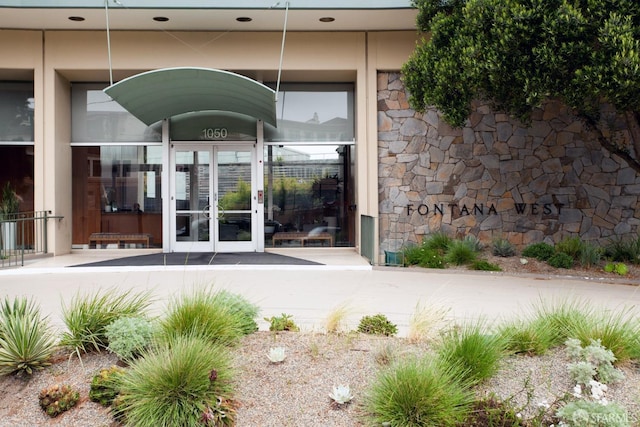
[(302, 237), (120, 238)]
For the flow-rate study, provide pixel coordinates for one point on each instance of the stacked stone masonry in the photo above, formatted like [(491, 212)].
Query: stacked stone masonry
[(497, 177)]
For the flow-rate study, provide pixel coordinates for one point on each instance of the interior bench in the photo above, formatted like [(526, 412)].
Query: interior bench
[(302, 237), (120, 238)]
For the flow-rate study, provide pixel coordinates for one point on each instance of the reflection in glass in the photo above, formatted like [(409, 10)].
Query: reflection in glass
[(192, 186), (234, 195), (95, 117), (313, 112), (117, 189), (16, 112), (309, 198)]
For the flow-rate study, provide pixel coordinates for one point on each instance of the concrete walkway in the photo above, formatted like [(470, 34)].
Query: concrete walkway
[(310, 293)]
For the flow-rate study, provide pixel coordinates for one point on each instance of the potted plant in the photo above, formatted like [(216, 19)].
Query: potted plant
[(9, 206)]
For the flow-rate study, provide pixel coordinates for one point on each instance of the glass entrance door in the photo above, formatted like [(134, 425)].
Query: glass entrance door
[(212, 200)]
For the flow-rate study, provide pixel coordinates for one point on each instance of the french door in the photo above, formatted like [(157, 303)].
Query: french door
[(213, 205)]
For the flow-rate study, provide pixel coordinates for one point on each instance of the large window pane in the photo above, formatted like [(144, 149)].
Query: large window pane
[(95, 117), (314, 112), (16, 112), (309, 192), (117, 189)]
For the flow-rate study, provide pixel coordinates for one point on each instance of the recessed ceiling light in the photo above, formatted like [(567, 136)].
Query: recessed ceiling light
[(244, 19), (76, 18), (160, 18), (327, 19)]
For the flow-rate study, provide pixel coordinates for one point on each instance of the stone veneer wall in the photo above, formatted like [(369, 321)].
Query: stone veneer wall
[(496, 177)]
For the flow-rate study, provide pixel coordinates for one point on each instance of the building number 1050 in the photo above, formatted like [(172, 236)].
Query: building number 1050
[(214, 133)]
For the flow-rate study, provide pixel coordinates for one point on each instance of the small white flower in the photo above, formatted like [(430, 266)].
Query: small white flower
[(341, 394), (276, 354), (518, 415)]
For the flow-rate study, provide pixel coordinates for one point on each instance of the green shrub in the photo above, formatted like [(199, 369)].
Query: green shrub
[(460, 252), (571, 246), (177, 383), (416, 393), (484, 265), (623, 250), (26, 340), (591, 255), (204, 313), (105, 386), (413, 254), (284, 322), (87, 317), (57, 399), (616, 267), (432, 259), (470, 347), (438, 241), (129, 336), (560, 260), (377, 325), (541, 251), (503, 248)]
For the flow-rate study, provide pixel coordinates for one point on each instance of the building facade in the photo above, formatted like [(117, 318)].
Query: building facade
[(216, 170), (250, 125)]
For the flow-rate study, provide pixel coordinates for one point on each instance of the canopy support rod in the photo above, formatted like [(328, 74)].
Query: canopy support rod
[(106, 11), (284, 35)]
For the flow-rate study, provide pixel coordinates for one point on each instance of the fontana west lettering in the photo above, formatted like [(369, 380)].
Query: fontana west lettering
[(482, 209)]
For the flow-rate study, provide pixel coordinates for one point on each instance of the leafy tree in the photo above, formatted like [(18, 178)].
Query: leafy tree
[(518, 53)]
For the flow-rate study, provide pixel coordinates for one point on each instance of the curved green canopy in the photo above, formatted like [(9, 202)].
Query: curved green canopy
[(169, 92)]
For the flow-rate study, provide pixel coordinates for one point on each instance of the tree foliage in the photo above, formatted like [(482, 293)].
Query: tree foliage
[(518, 53)]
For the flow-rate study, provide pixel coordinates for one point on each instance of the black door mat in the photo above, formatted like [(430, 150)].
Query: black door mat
[(201, 258)]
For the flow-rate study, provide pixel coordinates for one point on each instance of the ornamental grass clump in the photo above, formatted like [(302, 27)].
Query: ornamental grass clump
[(461, 252), (87, 317), (417, 392), (475, 351), (181, 382), (205, 313), (532, 337), (26, 339)]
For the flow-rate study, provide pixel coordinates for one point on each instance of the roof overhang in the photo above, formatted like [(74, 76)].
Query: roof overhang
[(165, 93)]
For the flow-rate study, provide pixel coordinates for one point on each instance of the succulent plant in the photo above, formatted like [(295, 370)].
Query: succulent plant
[(104, 386), (276, 354), (56, 399), (341, 394)]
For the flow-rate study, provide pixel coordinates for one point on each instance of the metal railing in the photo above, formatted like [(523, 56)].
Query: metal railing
[(21, 234)]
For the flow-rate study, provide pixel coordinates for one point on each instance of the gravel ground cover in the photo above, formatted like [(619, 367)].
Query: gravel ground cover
[(296, 391)]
